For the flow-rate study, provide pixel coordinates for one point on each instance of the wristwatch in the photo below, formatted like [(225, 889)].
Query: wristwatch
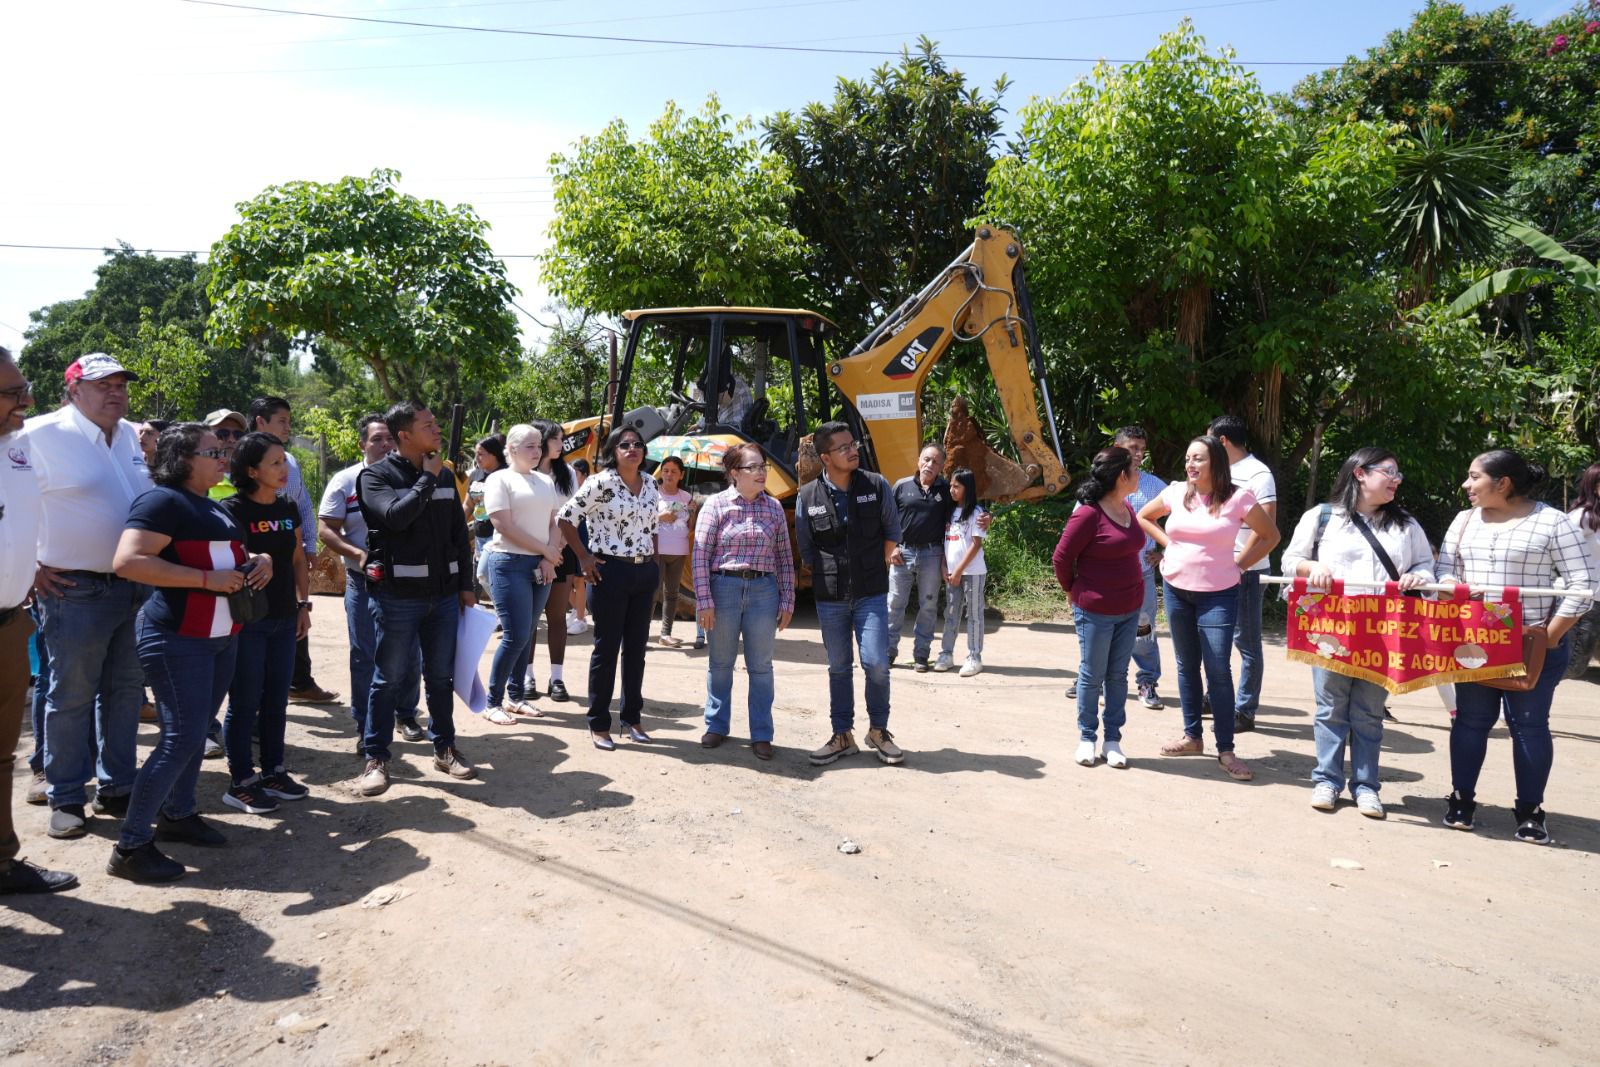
[(305, 605)]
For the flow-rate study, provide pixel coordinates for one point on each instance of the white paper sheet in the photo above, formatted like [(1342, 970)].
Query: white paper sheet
[(472, 637)]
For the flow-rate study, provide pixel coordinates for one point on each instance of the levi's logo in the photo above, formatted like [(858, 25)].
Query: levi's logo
[(906, 363), (261, 526)]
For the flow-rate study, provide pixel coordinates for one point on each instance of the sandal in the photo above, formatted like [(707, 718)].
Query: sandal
[(499, 716), (525, 709), (668, 641), (1235, 767), (1187, 746)]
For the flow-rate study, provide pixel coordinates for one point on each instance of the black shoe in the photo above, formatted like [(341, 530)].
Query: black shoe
[(558, 691), (193, 831), (530, 690), (1530, 825), (1458, 816), (412, 730), (20, 876), (280, 786), (144, 864), (699, 642), (920, 666), (1243, 724), (113, 806), (250, 799)]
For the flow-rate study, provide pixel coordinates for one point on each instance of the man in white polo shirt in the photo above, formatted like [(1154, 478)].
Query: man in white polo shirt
[(1250, 473), (90, 468), (19, 541)]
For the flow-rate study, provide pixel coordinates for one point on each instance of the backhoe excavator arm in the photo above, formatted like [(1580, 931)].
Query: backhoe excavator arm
[(981, 295)]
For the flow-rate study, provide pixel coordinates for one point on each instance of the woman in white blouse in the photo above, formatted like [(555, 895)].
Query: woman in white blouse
[(522, 557), (1509, 538), (1361, 534), (1586, 517), (621, 505)]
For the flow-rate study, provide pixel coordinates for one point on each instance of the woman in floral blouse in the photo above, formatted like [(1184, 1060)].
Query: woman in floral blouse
[(621, 506)]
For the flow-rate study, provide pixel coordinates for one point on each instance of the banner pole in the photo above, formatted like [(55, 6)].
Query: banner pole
[(1444, 587)]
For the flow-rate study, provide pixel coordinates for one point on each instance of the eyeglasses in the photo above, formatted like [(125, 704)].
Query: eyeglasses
[(752, 468), (1392, 473), (224, 434), (630, 446), (16, 393), (214, 453), (848, 446)]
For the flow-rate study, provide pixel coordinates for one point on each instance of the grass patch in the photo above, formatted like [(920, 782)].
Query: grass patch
[(1022, 583)]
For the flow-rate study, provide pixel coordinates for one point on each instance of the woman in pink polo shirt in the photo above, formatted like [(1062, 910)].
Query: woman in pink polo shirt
[(1204, 513)]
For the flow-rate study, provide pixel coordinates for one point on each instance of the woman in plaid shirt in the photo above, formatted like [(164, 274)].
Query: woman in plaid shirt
[(1509, 538), (743, 585)]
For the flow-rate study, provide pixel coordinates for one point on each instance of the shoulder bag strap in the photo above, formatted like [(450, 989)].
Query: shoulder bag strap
[(1372, 539)]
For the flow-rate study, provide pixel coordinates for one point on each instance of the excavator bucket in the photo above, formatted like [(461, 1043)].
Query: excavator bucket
[(999, 479)]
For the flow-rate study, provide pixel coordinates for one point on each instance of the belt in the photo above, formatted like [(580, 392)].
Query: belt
[(625, 559), (929, 544), (103, 575), (746, 575)]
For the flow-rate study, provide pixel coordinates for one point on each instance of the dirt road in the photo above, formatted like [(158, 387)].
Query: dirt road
[(665, 903)]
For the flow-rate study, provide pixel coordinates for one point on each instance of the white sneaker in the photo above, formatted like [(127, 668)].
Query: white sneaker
[(576, 625), (943, 663), (1114, 756), (1085, 754), (974, 665), (1323, 798), (1368, 804)]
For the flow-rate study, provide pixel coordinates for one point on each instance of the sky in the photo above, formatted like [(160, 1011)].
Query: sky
[(147, 121)]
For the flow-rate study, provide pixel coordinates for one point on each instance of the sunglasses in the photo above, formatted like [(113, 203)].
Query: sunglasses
[(224, 434), (630, 446), (213, 453)]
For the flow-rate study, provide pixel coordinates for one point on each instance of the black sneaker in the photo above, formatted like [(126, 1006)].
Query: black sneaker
[(249, 798), (113, 806), (20, 876), (1458, 816), (700, 642), (558, 691), (193, 830), (920, 666), (1530, 825), (144, 864), (1243, 724), (281, 787), (412, 730)]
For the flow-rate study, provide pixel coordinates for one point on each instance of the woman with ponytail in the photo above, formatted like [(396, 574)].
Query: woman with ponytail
[(1097, 563), (1508, 538)]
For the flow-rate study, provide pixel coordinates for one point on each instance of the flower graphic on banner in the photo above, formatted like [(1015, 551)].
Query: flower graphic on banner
[(1309, 604), (1470, 656), (1497, 613)]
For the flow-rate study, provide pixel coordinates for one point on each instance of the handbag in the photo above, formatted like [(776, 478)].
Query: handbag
[(1535, 643), (247, 604)]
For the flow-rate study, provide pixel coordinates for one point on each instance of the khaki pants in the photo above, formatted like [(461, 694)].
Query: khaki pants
[(14, 634)]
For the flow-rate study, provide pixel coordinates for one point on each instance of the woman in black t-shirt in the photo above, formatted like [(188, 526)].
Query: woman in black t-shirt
[(192, 552), (259, 695)]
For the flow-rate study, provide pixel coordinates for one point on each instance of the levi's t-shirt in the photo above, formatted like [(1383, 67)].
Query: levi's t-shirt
[(1200, 555), (275, 530), (204, 536)]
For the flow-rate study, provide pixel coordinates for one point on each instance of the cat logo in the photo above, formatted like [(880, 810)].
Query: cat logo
[(910, 358)]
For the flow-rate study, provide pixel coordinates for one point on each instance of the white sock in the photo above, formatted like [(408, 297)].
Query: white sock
[(555, 672)]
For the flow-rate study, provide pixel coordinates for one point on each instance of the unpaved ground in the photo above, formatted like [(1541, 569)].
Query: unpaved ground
[(663, 903)]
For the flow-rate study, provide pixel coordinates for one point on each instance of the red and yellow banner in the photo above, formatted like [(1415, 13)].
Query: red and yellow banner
[(1404, 643)]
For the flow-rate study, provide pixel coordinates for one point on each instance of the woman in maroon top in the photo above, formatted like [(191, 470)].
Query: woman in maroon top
[(1097, 564)]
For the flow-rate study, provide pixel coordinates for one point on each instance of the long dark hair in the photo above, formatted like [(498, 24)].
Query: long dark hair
[(1221, 473), (1525, 476), (175, 450), (1109, 465), (1347, 488), (560, 473), (1589, 499), (495, 445), (607, 460), (968, 482), (251, 451)]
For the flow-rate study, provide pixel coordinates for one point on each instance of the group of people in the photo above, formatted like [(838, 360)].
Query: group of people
[(176, 557), (1208, 537)]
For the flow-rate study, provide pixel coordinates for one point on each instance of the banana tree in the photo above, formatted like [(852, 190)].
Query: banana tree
[(1577, 273)]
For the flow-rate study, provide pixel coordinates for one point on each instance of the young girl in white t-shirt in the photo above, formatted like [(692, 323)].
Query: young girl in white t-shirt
[(965, 574)]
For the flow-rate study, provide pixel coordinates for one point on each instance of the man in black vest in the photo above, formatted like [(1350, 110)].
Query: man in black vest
[(848, 527)]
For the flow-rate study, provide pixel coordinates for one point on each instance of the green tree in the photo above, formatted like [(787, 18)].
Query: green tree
[(170, 365), (563, 379), (887, 175), (693, 213), (409, 287)]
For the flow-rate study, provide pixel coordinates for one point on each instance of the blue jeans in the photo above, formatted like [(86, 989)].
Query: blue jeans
[(41, 686), (518, 602), (91, 715), (620, 603), (1247, 639), (1202, 633), (402, 623), (1146, 653), (1527, 717), (363, 634), (1105, 644), (964, 599), (867, 619), (923, 570), (189, 676), (748, 608), (1349, 711), (481, 568), (259, 694)]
